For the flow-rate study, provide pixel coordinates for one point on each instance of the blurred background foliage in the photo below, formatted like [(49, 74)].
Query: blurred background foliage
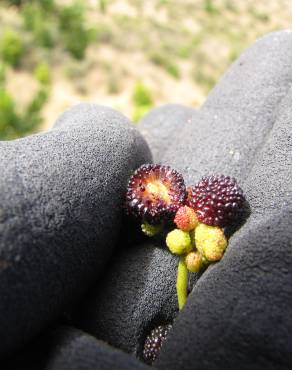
[(128, 54)]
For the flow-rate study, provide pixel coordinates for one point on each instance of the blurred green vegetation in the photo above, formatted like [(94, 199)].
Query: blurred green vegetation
[(42, 73), (107, 49), (45, 25), (74, 33), (37, 19), (13, 123), (162, 60), (142, 100), (11, 47)]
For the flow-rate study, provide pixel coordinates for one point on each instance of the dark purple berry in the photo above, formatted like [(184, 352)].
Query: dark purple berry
[(154, 342), (155, 193), (217, 200)]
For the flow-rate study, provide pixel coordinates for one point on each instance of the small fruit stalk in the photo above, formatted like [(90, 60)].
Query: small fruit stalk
[(157, 196), (215, 202), (197, 247), (179, 241)]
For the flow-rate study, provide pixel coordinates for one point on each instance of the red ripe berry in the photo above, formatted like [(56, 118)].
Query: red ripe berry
[(217, 200), (186, 218), (155, 193)]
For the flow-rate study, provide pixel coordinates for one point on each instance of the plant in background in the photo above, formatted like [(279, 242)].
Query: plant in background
[(37, 20), (11, 47), (32, 117), (9, 120), (14, 2), (157, 196), (74, 33), (103, 5), (210, 7), (142, 100), (162, 60), (2, 75), (42, 74), (46, 4), (14, 123)]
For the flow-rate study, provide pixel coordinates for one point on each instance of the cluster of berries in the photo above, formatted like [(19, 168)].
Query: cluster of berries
[(200, 243), (157, 196)]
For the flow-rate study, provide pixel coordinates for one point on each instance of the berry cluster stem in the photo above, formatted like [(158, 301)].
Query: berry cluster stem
[(182, 282)]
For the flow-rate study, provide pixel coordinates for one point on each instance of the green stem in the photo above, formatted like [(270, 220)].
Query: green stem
[(182, 282)]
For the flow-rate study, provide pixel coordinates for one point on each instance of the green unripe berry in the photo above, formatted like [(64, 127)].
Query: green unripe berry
[(150, 230), (179, 242), (194, 261), (210, 242)]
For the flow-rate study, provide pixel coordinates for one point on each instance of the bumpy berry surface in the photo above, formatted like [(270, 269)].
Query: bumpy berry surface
[(155, 193), (154, 342), (217, 200), (179, 241), (186, 218), (194, 261), (210, 242)]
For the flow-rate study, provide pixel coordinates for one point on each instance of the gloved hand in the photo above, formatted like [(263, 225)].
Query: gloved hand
[(239, 312), (61, 197)]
